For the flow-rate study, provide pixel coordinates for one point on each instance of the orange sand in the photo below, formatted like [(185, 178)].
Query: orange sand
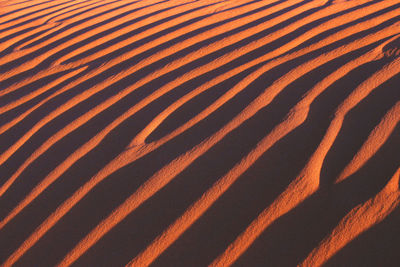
[(199, 133)]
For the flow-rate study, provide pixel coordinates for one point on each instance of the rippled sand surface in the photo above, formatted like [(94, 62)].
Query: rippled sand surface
[(199, 133)]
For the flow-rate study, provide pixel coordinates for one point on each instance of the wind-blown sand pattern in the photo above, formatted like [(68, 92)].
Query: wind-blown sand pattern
[(199, 133)]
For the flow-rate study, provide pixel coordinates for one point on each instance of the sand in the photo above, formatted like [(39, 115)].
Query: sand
[(199, 133)]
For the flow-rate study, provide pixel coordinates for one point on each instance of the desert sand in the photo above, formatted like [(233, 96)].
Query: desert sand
[(199, 133)]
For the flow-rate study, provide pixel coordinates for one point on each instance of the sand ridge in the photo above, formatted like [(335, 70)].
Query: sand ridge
[(129, 103)]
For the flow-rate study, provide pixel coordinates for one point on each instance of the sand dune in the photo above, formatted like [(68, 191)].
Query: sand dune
[(199, 133)]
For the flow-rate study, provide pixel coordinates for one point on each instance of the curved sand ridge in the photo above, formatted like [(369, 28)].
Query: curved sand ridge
[(195, 133)]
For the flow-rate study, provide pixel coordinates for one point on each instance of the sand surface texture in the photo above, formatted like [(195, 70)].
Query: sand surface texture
[(199, 133)]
